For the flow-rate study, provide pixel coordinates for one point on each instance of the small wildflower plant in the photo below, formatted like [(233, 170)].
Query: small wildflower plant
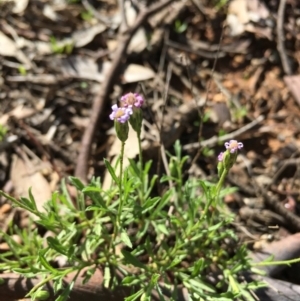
[(155, 244)]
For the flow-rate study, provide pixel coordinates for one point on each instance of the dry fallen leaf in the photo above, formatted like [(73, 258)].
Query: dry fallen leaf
[(19, 6), (138, 42), (239, 8), (84, 36), (9, 48), (137, 73), (24, 175), (49, 13), (84, 68), (20, 112)]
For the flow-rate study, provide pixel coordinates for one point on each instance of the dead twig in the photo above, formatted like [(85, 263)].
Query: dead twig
[(124, 23), (214, 140), (103, 95), (280, 39), (87, 5), (272, 202)]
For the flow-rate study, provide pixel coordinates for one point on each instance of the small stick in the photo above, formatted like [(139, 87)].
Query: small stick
[(88, 6), (280, 39), (215, 139)]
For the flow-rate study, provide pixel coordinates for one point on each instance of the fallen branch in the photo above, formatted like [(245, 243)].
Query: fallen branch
[(124, 39)]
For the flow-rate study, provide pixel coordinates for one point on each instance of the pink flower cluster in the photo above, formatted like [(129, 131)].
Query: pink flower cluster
[(128, 102), (132, 99), (120, 114), (232, 146)]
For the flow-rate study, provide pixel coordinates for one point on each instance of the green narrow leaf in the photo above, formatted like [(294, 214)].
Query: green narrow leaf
[(58, 284), (233, 284), (92, 189), (134, 296), (131, 280), (77, 183), (133, 260), (198, 267), (161, 228), (14, 247), (107, 277), (98, 229), (176, 261), (125, 239), (152, 183), (41, 295), (95, 194), (134, 168), (66, 198), (145, 297), (166, 178), (164, 201), (80, 202), (247, 296), (46, 264), (33, 203), (111, 171), (26, 204), (66, 292), (150, 204), (16, 202), (154, 278), (26, 270), (56, 245)]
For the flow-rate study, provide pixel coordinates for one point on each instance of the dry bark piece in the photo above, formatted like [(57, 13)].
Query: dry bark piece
[(276, 290), (284, 249), (266, 217)]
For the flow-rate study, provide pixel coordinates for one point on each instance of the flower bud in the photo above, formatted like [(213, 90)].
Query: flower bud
[(122, 130), (136, 120)]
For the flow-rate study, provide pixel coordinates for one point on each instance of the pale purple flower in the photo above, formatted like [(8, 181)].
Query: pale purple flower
[(233, 146), (132, 99), (220, 157), (120, 114)]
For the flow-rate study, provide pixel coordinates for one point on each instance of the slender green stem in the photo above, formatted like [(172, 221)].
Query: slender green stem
[(141, 167), (271, 263), (118, 222), (217, 193), (44, 281), (220, 183), (140, 150)]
